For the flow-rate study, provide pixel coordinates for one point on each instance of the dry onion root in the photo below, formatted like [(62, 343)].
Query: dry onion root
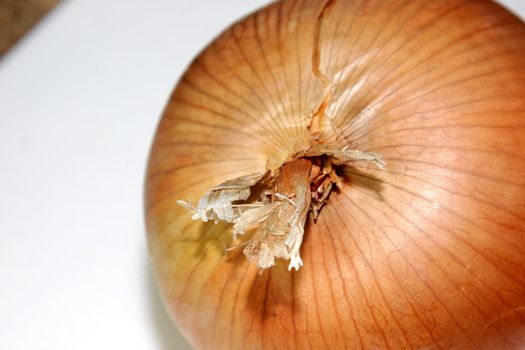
[(280, 130)]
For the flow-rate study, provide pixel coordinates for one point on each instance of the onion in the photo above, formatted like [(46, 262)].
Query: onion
[(426, 252)]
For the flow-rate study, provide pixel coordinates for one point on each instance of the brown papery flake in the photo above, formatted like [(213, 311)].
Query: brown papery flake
[(274, 220)]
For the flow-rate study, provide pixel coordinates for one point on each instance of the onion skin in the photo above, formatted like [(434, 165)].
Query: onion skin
[(428, 253)]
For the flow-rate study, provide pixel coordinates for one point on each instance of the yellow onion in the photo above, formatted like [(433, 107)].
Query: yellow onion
[(427, 252)]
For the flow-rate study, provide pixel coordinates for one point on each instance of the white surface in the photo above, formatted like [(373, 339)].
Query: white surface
[(79, 101)]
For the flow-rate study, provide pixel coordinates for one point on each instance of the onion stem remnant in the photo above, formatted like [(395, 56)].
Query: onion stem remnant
[(271, 208)]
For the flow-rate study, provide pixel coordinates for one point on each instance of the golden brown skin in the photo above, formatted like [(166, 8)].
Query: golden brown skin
[(428, 253)]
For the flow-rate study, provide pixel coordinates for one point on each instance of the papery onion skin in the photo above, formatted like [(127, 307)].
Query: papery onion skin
[(427, 253)]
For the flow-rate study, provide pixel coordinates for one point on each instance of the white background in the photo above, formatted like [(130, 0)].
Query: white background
[(79, 101)]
